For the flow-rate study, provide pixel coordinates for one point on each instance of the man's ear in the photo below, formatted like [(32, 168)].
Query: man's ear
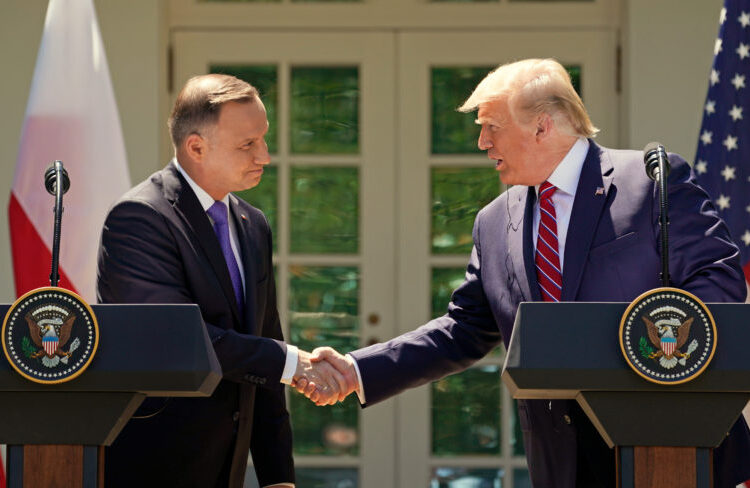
[(544, 125), (195, 147)]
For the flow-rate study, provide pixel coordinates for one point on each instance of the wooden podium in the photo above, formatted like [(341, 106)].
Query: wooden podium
[(571, 351), (56, 433)]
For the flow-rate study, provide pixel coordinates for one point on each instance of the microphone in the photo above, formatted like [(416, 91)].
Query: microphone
[(50, 178), (653, 154)]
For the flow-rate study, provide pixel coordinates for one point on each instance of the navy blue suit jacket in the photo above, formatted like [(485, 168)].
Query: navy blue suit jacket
[(158, 246), (611, 254)]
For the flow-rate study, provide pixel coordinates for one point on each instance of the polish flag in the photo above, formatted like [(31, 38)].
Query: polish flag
[(71, 116)]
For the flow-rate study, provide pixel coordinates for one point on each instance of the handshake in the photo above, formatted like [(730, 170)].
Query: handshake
[(325, 376)]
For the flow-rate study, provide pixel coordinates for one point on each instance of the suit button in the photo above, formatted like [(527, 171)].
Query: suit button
[(566, 418), (236, 416)]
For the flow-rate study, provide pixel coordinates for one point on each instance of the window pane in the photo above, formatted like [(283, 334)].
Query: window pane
[(327, 478), (444, 281), (325, 110), (516, 440), (265, 79), (443, 477), (324, 307), (454, 132), (265, 197), (521, 478), (324, 311), (324, 216), (575, 77), (457, 195), (466, 413)]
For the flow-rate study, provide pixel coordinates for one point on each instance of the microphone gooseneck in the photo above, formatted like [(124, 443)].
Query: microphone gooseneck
[(657, 165), (54, 174)]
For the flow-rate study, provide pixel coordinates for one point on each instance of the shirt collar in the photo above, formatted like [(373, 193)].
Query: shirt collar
[(565, 177), (204, 198)]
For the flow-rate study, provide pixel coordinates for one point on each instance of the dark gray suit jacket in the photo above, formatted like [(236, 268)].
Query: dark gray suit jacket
[(611, 254), (158, 246)]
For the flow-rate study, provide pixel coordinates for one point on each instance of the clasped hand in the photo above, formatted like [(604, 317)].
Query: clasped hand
[(325, 376)]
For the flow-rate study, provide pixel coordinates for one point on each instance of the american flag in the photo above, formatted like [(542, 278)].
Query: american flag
[(722, 162)]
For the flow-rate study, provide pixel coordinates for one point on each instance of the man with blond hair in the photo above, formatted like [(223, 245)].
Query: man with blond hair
[(182, 237), (581, 224)]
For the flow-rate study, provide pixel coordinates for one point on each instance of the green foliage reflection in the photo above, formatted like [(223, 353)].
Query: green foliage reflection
[(457, 195), (324, 311), (466, 413), (325, 110), (324, 215)]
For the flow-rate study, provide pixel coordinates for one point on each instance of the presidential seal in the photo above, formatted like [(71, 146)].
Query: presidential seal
[(50, 335), (668, 336)]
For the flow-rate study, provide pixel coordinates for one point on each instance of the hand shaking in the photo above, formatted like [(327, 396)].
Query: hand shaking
[(325, 376)]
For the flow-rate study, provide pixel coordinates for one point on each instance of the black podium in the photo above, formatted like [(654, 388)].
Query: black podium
[(572, 351), (56, 433)]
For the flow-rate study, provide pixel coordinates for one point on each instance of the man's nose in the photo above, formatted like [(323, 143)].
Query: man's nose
[(484, 142), (263, 157)]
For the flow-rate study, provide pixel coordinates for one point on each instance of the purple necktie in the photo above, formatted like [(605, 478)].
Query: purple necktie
[(218, 212)]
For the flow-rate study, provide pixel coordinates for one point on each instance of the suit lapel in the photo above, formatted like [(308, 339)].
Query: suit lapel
[(590, 199), (249, 255), (520, 248), (189, 209)]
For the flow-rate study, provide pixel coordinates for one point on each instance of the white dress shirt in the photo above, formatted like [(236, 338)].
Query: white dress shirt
[(206, 201)]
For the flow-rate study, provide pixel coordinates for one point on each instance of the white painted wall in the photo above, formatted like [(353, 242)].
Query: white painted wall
[(132, 32), (667, 53)]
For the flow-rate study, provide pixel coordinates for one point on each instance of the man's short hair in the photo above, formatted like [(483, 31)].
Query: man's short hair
[(199, 103), (532, 87)]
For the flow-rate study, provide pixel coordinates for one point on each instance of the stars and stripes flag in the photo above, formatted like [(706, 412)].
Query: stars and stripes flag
[(71, 115), (722, 162)]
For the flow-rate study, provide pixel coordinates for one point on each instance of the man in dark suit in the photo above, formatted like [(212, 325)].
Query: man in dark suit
[(581, 225), (182, 237)]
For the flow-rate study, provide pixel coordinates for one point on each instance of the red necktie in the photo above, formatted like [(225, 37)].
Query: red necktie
[(548, 272)]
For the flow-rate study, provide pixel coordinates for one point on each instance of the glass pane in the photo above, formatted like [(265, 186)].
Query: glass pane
[(466, 413), (265, 79), (325, 110), (265, 197), (327, 478), (443, 477), (324, 311), (314, 478), (324, 307), (521, 478), (575, 77), (516, 440), (444, 281), (457, 195), (454, 132), (324, 215)]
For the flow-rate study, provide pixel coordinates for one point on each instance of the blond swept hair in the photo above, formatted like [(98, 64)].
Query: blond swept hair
[(533, 87), (199, 103)]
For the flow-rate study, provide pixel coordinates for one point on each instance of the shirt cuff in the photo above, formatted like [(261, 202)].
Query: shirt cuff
[(361, 389), (290, 366)]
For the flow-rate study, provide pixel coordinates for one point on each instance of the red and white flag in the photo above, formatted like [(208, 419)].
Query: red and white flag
[(71, 116)]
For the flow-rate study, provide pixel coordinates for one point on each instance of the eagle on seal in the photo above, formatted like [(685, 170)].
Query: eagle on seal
[(662, 336), (45, 335)]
